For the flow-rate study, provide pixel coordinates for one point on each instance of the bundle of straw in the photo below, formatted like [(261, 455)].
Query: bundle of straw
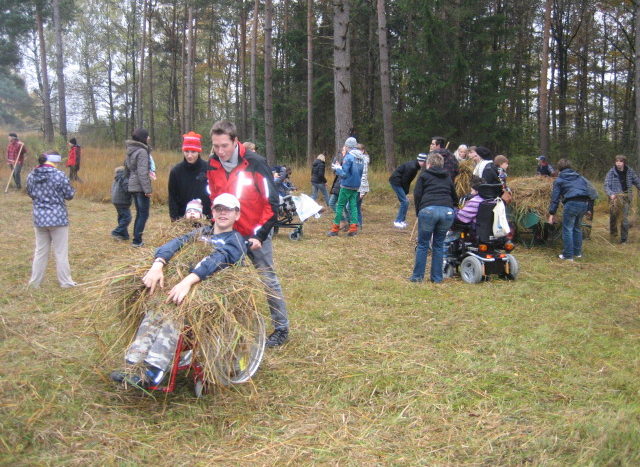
[(463, 180), (531, 195), (221, 312), (616, 205)]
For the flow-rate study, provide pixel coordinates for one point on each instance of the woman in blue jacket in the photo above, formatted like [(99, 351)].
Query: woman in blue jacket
[(573, 190)]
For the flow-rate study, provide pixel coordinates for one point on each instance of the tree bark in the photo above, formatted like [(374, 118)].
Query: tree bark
[(62, 99), (188, 110), (342, 72), (242, 58), (46, 92), (543, 106), (310, 18), (268, 84), (143, 40), (637, 79), (385, 88), (252, 76)]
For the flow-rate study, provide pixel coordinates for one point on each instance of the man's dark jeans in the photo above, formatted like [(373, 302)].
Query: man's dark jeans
[(124, 219), (142, 203)]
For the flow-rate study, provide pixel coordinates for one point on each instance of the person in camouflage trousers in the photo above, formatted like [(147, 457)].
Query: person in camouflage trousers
[(156, 340)]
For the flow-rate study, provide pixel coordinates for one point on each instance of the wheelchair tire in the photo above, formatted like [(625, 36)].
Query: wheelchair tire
[(471, 270), (242, 353), (514, 268), (295, 235), (276, 229)]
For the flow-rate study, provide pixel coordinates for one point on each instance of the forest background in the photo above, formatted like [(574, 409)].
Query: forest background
[(523, 77)]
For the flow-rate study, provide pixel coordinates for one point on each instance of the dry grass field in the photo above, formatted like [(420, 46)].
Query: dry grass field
[(542, 370)]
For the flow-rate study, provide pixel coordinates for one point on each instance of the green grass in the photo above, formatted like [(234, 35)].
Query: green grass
[(543, 370)]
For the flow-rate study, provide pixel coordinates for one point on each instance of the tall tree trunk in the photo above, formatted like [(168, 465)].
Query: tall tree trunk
[(62, 99), (112, 110), (93, 111), (152, 122), (342, 72), (310, 23), (637, 79), (242, 57), (143, 40), (268, 84), (252, 77), (46, 92), (385, 88), (543, 106), (188, 111)]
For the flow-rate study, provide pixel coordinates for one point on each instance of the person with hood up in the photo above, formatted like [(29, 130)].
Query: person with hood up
[(49, 187), (188, 179), (318, 180), (73, 161), (435, 198), (573, 190), (350, 173), (138, 163)]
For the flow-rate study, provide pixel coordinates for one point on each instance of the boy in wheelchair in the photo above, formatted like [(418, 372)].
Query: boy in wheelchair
[(471, 248), (156, 340)]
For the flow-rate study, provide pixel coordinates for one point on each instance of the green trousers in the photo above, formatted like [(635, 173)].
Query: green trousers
[(347, 196)]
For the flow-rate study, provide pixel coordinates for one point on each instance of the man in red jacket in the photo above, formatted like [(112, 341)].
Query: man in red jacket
[(236, 170)]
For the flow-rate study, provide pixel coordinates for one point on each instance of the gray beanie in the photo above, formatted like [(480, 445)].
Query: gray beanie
[(351, 142)]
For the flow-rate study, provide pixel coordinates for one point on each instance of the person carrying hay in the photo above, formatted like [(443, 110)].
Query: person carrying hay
[(618, 184), (155, 342)]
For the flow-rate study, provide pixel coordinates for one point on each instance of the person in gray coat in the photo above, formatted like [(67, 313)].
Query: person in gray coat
[(121, 199), (138, 162)]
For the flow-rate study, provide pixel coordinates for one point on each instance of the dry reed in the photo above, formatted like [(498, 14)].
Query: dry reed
[(463, 180)]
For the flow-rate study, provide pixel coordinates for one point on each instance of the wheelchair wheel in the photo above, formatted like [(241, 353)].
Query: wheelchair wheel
[(295, 235), (471, 270), (276, 229), (514, 268), (240, 355)]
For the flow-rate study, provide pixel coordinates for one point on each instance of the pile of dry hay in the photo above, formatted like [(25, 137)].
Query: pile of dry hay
[(532, 195), (463, 180), (221, 312)]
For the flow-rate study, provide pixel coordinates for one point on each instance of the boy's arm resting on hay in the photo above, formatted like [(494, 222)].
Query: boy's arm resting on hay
[(228, 251), (155, 275), (170, 248), (181, 289)]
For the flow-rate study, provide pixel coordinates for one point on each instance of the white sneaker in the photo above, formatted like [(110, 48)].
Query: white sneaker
[(566, 259), (404, 224), (397, 225)]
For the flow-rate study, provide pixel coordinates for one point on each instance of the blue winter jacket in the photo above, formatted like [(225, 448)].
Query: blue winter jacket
[(228, 249), (569, 185), (48, 187), (351, 172)]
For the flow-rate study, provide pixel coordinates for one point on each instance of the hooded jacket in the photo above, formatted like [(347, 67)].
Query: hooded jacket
[(48, 187), (569, 186), (138, 162), (434, 188), (187, 182), (74, 157), (404, 175), (251, 181), (351, 171)]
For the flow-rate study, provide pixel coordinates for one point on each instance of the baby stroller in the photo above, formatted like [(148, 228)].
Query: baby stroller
[(475, 253)]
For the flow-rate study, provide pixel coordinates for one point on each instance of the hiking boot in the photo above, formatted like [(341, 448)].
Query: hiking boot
[(277, 338), (335, 228), (118, 237), (353, 230)]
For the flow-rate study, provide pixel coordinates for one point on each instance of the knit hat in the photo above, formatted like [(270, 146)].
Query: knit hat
[(541, 158), (191, 142), (422, 157), (485, 153), (55, 158), (351, 142), (194, 204), (227, 200)]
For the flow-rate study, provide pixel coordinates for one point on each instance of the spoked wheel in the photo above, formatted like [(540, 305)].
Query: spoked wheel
[(296, 234), (512, 267), (240, 355), (471, 270)]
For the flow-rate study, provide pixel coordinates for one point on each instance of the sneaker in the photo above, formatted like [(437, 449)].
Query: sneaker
[(137, 245), (353, 230), (277, 338), (120, 238), (563, 258), (399, 225), (335, 228), (578, 256), (415, 279)]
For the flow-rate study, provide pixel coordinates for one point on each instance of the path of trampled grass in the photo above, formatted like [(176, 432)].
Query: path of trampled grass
[(378, 370)]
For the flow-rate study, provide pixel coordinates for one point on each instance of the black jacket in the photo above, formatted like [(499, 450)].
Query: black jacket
[(404, 175), (434, 188), (187, 182), (317, 172), (490, 176)]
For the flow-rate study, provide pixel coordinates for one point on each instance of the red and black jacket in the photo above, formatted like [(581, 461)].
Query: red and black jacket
[(74, 157), (252, 183)]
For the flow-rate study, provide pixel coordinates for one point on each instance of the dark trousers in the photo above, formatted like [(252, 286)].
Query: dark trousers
[(142, 203), (124, 219)]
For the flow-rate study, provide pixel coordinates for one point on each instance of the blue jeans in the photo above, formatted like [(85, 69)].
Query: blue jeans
[(262, 259), (333, 200), (572, 228), (124, 218), (319, 187), (433, 224), (360, 198), (404, 203), (142, 203)]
